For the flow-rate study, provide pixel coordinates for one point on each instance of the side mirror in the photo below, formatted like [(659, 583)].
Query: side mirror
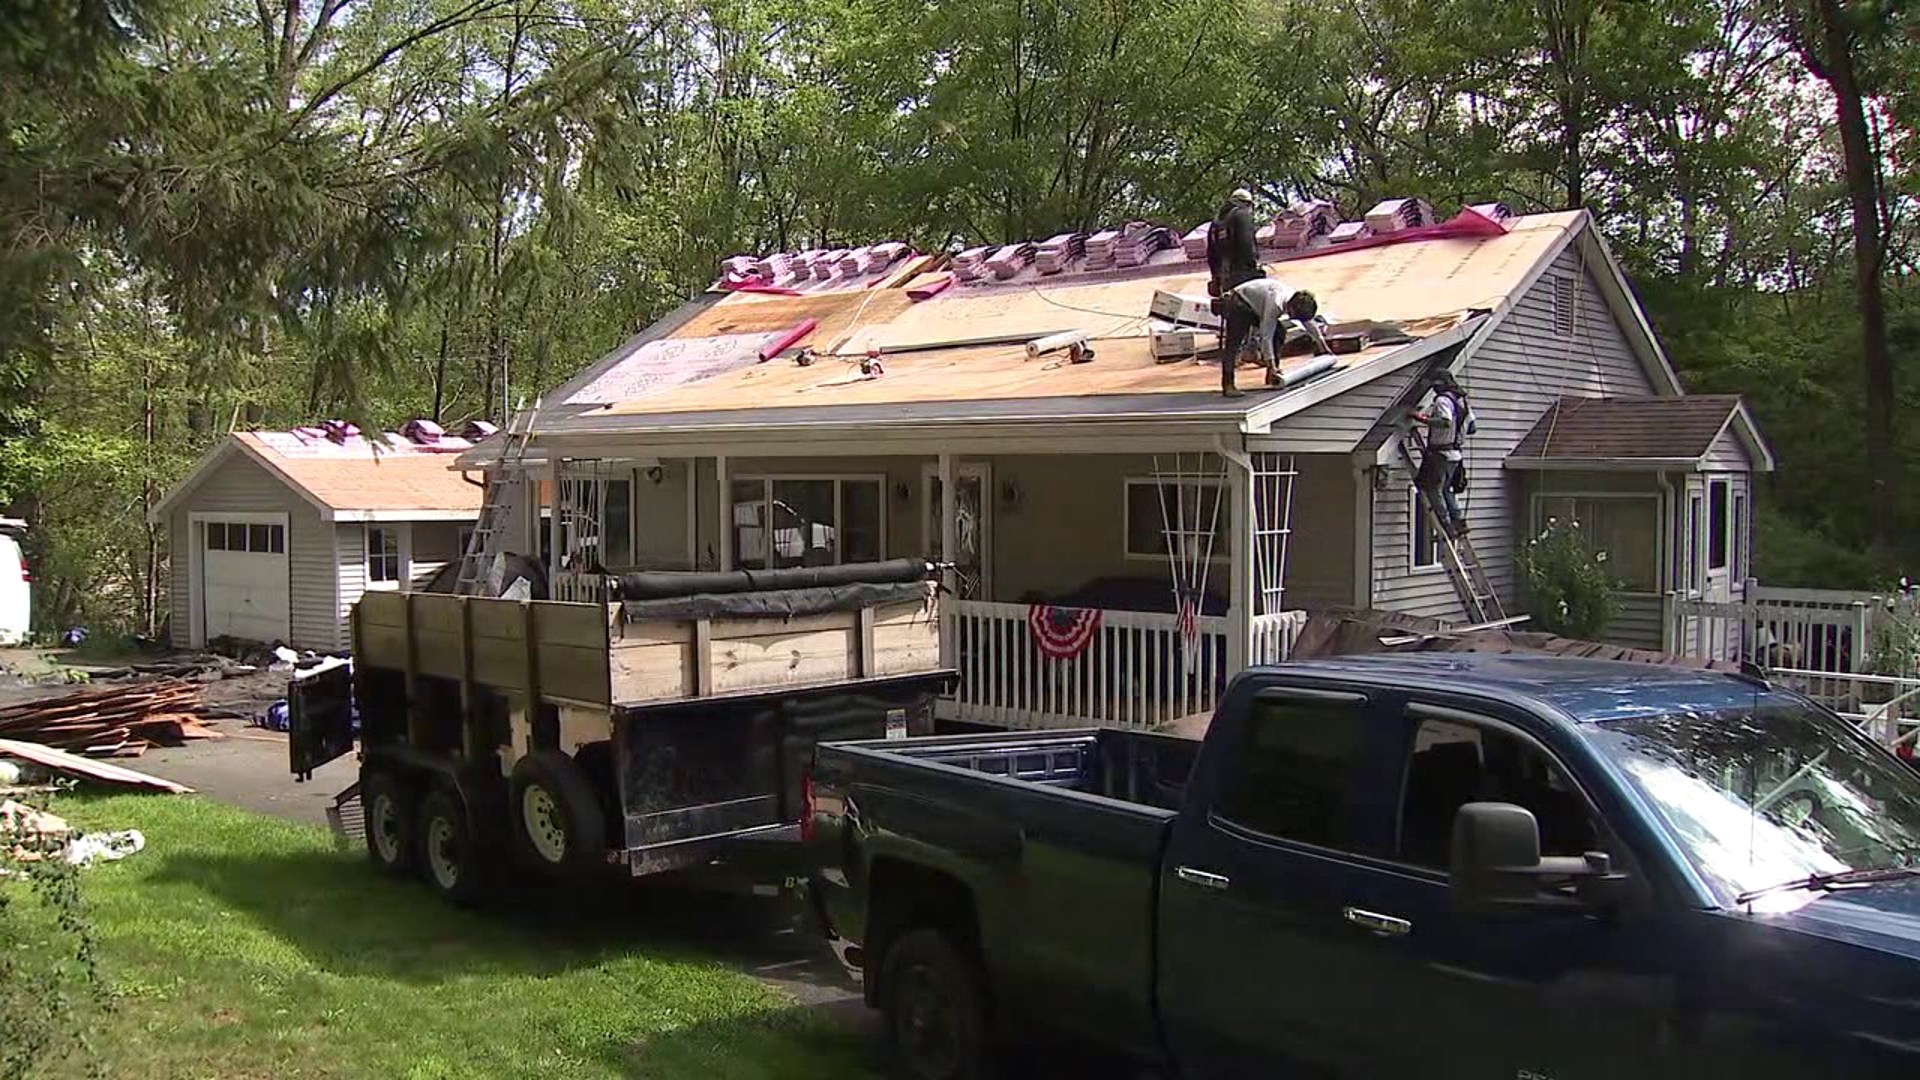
[(1497, 866)]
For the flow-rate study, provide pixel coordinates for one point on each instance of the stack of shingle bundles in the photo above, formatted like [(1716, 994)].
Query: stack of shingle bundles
[(1057, 252), (1100, 249), (970, 264), (1301, 224), (1008, 260), (1194, 244), (740, 269), (1140, 242), (888, 253), (778, 269), (1349, 230), (827, 267), (1392, 215)]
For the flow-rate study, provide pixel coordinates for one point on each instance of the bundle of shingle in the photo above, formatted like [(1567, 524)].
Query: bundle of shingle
[(971, 264), (1492, 211), (1194, 244), (1008, 260), (1058, 251), (1138, 242), (1348, 231), (778, 269), (1302, 223), (1392, 215)]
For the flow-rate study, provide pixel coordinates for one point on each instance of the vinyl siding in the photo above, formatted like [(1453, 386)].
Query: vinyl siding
[(1338, 423), (239, 485), (1511, 379), (351, 570), (435, 544), (1727, 455)]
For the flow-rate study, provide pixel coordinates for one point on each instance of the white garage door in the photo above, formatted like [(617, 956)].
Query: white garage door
[(244, 587)]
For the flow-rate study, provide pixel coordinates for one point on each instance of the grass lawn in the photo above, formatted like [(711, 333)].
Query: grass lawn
[(242, 946)]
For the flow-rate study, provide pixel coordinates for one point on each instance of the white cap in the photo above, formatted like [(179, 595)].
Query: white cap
[(1242, 195)]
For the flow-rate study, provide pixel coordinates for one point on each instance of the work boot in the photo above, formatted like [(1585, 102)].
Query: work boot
[(1232, 392)]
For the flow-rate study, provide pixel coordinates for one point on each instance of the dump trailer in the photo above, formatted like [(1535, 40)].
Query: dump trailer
[(665, 728)]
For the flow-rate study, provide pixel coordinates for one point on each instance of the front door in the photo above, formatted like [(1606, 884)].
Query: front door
[(973, 508)]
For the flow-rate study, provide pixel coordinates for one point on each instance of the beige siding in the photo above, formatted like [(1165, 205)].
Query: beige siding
[(239, 485), (351, 568), (1320, 552), (660, 517), (1522, 368)]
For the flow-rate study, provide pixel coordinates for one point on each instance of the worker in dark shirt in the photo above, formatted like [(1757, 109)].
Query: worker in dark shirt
[(1234, 260)]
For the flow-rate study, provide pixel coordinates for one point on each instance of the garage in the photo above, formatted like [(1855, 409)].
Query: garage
[(245, 580)]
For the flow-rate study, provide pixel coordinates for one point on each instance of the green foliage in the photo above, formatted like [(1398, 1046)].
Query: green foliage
[(1571, 592), (48, 977)]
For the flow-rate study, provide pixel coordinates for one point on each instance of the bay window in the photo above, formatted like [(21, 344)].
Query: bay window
[(1626, 528)]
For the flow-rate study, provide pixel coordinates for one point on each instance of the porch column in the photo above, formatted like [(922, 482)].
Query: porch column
[(948, 542), (1240, 601), (724, 510)]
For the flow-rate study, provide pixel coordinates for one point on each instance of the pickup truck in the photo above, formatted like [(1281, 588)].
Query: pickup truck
[(1417, 865)]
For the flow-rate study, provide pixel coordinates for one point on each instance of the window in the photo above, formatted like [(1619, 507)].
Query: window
[(1424, 548), (1626, 528), (1690, 549), (1192, 512), (383, 555), (1453, 764), (234, 536), (807, 521), (1740, 537), (1718, 507), (616, 539), (1293, 771)]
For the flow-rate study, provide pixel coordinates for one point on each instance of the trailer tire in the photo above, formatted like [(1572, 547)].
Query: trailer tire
[(938, 1026), (556, 812), (388, 808), (452, 857)]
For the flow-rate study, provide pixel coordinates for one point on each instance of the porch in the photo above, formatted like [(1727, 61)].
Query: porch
[(1083, 589)]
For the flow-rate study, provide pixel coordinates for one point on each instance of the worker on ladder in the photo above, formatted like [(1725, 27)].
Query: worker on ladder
[(1448, 419)]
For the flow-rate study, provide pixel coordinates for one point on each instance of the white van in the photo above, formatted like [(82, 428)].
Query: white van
[(16, 585)]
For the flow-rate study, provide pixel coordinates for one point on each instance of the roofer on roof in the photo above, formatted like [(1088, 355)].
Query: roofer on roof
[(1274, 304), (1234, 260)]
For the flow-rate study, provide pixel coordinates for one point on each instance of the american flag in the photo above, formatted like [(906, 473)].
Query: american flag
[(1189, 620)]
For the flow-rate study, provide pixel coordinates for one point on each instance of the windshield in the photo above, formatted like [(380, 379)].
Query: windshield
[(1769, 794)]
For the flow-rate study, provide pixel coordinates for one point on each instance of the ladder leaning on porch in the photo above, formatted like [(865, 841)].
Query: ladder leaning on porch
[(1470, 583), (503, 493)]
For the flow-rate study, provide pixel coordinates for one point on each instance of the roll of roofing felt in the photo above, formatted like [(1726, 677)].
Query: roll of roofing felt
[(662, 584)]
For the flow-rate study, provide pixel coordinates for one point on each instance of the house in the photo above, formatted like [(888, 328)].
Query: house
[(275, 534), (1123, 536)]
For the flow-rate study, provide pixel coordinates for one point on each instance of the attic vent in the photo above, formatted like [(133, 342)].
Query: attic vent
[(1566, 302)]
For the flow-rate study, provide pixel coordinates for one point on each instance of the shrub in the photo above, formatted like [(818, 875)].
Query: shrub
[(1568, 581)]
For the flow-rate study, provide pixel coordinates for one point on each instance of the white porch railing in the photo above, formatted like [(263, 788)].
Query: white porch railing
[(1135, 673), (1828, 630), (1274, 635)]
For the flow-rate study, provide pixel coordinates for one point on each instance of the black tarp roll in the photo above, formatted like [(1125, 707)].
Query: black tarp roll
[(774, 603), (665, 584)]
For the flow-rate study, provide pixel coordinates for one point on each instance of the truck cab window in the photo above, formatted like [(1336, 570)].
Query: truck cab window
[(1453, 764), (1291, 777)]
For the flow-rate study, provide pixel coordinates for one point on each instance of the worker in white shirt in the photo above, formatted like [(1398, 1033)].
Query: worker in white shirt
[(1447, 419), (1270, 300)]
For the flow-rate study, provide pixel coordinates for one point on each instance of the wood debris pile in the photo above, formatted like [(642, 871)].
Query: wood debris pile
[(118, 721)]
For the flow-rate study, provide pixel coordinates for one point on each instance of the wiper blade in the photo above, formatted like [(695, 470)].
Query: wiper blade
[(1828, 881)]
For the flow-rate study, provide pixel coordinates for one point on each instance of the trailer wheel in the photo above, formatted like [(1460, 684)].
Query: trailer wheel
[(452, 858), (557, 815), (388, 810), (935, 1004)]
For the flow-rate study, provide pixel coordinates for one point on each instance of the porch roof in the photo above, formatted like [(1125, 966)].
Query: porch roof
[(1637, 433), (702, 372)]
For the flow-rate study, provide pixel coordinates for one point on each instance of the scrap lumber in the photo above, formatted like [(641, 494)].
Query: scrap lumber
[(76, 766), (112, 721)]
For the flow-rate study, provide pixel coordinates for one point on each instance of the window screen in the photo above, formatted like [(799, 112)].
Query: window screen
[(1718, 509), (1189, 511), (1626, 528), (617, 535), (1293, 772), (383, 555)]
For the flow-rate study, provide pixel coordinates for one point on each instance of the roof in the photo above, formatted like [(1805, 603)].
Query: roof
[(1669, 432), (355, 479), (702, 373), (1586, 691)]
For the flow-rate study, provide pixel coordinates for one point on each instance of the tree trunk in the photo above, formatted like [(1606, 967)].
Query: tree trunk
[(1863, 197)]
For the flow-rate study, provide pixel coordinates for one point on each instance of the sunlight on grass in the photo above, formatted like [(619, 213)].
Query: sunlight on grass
[(242, 946)]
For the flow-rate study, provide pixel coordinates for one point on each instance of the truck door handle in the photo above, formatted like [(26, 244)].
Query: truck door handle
[(1377, 923), (1206, 879)]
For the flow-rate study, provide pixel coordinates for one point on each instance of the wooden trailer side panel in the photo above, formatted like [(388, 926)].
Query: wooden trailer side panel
[(536, 649)]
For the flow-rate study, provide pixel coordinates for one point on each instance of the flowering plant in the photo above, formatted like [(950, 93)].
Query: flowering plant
[(1568, 581)]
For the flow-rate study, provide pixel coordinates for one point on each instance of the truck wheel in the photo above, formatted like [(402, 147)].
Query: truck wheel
[(556, 814), (387, 810), (451, 857), (935, 1004)]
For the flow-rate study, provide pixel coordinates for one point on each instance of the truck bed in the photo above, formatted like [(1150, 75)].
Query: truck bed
[(1056, 836)]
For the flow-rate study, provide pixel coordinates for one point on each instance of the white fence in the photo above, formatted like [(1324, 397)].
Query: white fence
[(1135, 672), (1880, 704), (1826, 630), (1273, 636)]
